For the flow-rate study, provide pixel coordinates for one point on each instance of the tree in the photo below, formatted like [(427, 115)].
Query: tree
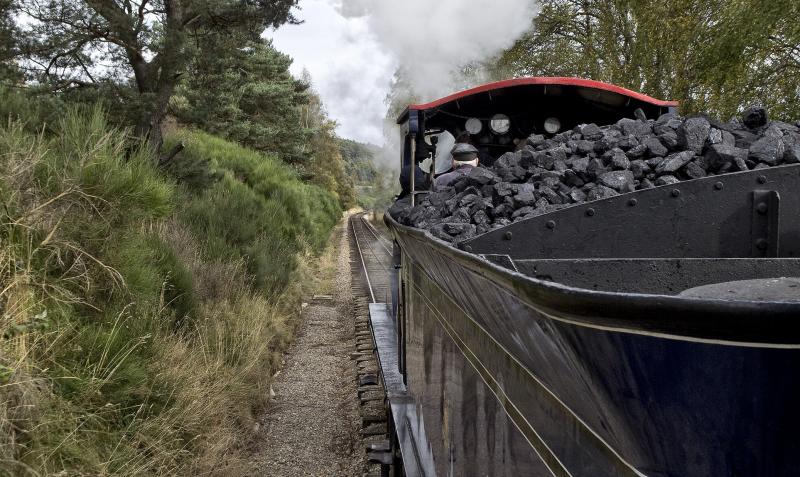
[(8, 47), (712, 55), (244, 91), (359, 161), (134, 46), (326, 167)]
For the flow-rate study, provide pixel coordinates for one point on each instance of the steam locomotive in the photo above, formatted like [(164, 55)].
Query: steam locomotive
[(566, 344)]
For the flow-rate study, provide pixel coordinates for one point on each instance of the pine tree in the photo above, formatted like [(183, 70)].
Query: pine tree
[(8, 48), (243, 90)]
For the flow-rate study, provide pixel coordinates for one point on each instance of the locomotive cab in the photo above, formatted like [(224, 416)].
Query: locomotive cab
[(499, 115)]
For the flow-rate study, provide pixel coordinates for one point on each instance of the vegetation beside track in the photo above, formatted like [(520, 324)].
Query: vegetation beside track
[(142, 309), (147, 289)]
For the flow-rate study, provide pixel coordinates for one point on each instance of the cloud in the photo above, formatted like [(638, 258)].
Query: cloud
[(350, 70)]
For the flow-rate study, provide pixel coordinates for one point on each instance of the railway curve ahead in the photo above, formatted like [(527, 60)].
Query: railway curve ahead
[(375, 258)]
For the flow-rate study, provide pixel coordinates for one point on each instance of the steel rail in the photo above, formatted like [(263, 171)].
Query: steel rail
[(379, 258), (363, 262), (376, 234)]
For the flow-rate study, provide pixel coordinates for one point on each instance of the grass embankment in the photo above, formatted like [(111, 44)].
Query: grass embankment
[(141, 315)]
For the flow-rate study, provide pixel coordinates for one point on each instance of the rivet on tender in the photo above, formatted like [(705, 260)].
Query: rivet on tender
[(762, 244), (551, 224), (633, 202), (718, 185), (761, 208), (509, 235), (676, 193), (762, 179), (590, 212)]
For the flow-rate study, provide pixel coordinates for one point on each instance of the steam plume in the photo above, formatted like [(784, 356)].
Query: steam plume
[(433, 40)]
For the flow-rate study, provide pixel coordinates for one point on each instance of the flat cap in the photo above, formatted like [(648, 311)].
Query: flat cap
[(464, 149)]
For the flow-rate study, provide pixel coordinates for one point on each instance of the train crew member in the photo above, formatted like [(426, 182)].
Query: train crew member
[(465, 158), (422, 180), (484, 158), (444, 159)]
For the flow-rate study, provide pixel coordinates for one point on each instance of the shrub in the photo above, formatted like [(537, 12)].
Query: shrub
[(259, 210), (135, 332)]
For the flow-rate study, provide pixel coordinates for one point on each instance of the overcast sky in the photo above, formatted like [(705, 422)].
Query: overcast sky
[(350, 69), (352, 48)]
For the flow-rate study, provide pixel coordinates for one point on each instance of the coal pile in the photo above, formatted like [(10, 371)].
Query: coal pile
[(590, 163)]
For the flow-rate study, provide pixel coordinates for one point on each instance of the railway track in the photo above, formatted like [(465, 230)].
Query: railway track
[(371, 262), (375, 257)]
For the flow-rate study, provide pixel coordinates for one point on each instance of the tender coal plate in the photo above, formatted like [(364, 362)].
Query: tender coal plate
[(591, 162)]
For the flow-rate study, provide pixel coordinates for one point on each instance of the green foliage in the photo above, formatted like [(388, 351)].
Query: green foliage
[(245, 93), (8, 43), (327, 167), (260, 210), (359, 161), (34, 113), (154, 274), (69, 199), (714, 56), (132, 339), (379, 194), (105, 165), (374, 185), (136, 52)]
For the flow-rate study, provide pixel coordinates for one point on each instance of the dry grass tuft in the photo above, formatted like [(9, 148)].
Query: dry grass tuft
[(130, 343)]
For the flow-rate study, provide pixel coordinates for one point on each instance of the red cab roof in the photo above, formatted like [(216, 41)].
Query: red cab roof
[(540, 80)]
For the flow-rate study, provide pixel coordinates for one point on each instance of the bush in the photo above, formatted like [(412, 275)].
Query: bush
[(259, 210), (136, 334)]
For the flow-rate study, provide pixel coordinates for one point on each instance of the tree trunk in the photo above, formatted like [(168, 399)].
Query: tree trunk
[(157, 79)]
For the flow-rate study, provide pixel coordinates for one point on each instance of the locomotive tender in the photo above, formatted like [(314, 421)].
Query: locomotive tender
[(643, 334)]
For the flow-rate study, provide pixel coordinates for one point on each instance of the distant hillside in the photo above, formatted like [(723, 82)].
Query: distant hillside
[(375, 182), (359, 161)]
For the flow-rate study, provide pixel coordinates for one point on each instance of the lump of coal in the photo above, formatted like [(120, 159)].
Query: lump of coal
[(694, 170), (792, 154), (481, 176), (768, 150), (601, 192), (754, 117), (591, 131), (577, 195), (720, 154), (634, 127), (646, 184), (639, 168), (674, 162), (669, 139), (617, 180), (692, 135), (619, 160), (535, 140), (667, 180), (655, 147), (526, 195)]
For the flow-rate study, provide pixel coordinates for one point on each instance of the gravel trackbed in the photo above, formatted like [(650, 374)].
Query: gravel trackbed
[(312, 425)]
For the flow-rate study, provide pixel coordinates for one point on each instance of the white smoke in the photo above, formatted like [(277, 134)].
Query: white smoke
[(433, 40)]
